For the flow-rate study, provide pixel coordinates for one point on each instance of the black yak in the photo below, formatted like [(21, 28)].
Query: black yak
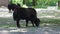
[(28, 14)]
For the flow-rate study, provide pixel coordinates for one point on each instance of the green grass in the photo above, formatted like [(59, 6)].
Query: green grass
[(50, 20), (9, 22), (59, 7), (49, 13)]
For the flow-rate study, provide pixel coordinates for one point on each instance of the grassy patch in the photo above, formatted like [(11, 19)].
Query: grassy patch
[(9, 22), (59, 7), (50, 20)]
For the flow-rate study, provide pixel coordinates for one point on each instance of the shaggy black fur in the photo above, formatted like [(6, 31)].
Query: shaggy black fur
[(28, 14)]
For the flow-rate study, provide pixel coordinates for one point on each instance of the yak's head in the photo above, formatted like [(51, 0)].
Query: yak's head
[(37, 22)]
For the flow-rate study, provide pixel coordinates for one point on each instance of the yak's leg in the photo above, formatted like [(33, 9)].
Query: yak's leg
[(18, 25), (32, 23), (26, 23)]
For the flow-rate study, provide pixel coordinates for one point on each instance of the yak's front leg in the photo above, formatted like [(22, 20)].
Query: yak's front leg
[(26, 23), (18, 25)]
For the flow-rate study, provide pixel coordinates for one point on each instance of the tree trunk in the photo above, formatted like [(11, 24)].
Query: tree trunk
[(34, 2), (24, 1), (58, 3)]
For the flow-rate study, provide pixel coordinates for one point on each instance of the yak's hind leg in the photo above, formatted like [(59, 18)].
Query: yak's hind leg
[(32, 23), (18, 25)]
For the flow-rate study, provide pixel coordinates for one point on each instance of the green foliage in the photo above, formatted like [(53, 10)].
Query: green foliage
[(44, 3), (16, 1), (39, 3)]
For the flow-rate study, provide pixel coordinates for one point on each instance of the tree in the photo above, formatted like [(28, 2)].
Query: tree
[(24, 2), (34, 2)]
